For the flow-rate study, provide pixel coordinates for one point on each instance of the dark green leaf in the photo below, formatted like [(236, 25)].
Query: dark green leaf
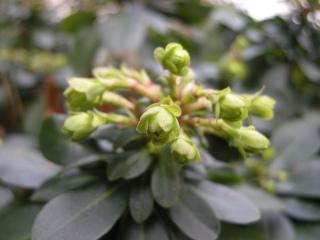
[(55, 145), (165, 181), (59, 185), (140, 202), (130, 167), (151, 230), (307, 231), (6, 197), (84, 215), (25, 167), (273, 226), (16, 223), (74, 22), (228, 204), (303, 179), (123, 33), (194, 217), (263, 200), (303, 210)]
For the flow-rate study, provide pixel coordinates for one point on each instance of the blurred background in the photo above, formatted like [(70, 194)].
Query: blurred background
[(244, 44)]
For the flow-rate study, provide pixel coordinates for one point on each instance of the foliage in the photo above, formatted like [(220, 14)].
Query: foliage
[(40, 164)]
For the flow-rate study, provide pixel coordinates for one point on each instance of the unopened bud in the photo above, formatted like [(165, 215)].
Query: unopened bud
[(262, 106), (83, 93), (81, 125), (251, 140), (184, 150), (159, 122), (232, 107), (173, 58)]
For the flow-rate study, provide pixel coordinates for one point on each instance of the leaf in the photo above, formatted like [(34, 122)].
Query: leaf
[(263, 200), (228, 204), (119, 137), (123, 33), (194, 217), (294, 148), (307, 231), (74, 22), (165, 181), (16, 223), (243, 232), (57, 146), (140, 202), (86, 43), (303, 210), (84, 215), (6, 197), (24, 167), (151, 230), (129, 167), (303, 179), (59, 185), (274, 226), (277, 226)]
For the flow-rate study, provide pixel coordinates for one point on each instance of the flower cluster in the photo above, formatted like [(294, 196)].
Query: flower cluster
[(169, 114)]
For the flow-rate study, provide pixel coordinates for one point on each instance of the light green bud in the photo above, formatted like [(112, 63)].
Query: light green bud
[(173, 58), (184, 150), (83, 93), (81, 125), (232, 107), (159, 122), (262, 106), (251, 140)]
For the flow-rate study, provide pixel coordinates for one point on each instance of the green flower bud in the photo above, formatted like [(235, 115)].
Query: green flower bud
[(173, 58), (159, 122), (81, 125), (232, 107), (83, 93), (262, 106), (251, 140), (184, 150)]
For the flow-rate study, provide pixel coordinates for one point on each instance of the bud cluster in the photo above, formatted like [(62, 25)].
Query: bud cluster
[(170, 114)]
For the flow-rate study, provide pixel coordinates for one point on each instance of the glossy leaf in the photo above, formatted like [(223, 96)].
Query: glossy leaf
[(57, 146), (129, 167), (165, 181), (6, 197), (194, 217), (16, 224), (303, 210), (140, 202), (228, 204), (151, 230), (88, 214), (25, 167)]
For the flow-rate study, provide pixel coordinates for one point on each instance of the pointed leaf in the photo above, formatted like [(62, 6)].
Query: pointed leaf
[(130, 167), (194, 217), (16, 224), (140, 202), (151, 230), (25, 167), (84, 215), (165, 181), (228, 204)]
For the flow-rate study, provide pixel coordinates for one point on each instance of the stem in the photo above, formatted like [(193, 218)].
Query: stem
[(174, 82), (201, 103), (209, 125), (150, 91)]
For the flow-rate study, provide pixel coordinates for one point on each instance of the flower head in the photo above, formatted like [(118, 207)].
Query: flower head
[(159, 122), (173, 58), (184, 150)]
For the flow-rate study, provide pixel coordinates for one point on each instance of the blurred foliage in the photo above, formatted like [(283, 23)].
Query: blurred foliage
[(42, 45)]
